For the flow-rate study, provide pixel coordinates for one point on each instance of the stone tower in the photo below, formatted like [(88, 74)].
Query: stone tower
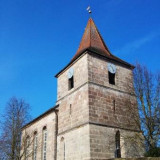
[(95, 99)]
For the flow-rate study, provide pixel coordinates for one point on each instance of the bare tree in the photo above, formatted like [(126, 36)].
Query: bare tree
[(143, 116), (16, 115), (147, 90)]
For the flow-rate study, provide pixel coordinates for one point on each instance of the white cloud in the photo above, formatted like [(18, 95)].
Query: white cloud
[(132, 46)]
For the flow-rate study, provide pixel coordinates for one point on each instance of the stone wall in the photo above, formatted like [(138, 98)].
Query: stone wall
[(112, 108), (73, 104), (104, 106), (73, 110), (111, 104), (98, 73), (74, 145), (80, 68), (73, 116), (102, 142), (47, 121)]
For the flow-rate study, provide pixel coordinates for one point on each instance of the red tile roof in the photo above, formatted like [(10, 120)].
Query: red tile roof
[(92, 39)]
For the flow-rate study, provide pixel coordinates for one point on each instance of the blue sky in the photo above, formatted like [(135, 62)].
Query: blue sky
[(39, 37)]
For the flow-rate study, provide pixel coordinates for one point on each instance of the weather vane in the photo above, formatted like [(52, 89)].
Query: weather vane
[(89, 10)]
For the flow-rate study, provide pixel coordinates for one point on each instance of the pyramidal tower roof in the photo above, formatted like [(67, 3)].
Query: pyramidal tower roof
[(93, 42)]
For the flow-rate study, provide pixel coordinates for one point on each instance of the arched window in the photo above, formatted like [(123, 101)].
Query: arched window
[(27, 145), (118, 147), (44, 143), (35, 144)]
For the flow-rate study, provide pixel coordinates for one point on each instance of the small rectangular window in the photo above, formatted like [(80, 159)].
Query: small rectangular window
[(114, 106), (70, 110), (111, 78), (71, 83)]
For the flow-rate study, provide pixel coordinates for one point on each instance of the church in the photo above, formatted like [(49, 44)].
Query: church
[(92, 118)]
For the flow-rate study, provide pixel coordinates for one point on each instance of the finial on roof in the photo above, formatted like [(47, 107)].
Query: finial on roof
[(89, 10)]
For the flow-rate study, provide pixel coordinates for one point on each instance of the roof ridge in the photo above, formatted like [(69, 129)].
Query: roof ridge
[(101, 37)]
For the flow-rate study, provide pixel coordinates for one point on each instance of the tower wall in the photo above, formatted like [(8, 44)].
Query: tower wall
[(73, 104), (112, 108), (73, 128), (78, 114), (91, 102), (80, 68), (98, 73), (102, 143), (74, 145), (102, 109), (109, 104)]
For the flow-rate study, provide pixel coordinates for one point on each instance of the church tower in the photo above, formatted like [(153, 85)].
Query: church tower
[(95, 104)]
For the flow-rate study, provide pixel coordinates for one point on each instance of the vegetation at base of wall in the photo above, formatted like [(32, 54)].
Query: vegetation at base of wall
[(154, 152)]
